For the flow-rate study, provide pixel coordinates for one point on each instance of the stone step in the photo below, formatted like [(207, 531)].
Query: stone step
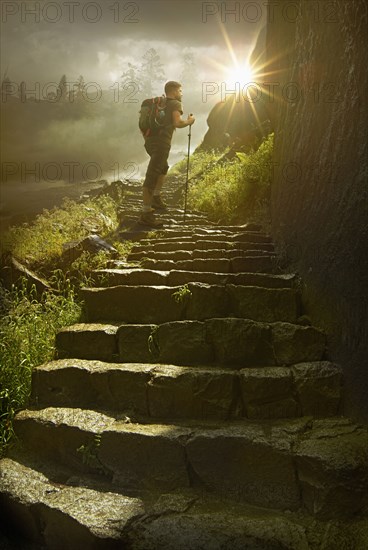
[(237, 343), (197, 234), (195, 301), (171, 392), (319, 464), (203, 244), (137, 276), (203, 254), (256, 264), (47, 508)]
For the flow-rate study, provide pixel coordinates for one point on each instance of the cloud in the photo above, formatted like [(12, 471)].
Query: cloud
[(44, 51)]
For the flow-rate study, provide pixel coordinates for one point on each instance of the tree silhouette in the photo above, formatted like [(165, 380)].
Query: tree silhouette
[(189, 74), (151, 72), (77, 92), (22, 91), (62, 90), (130, 75), (6, 86)]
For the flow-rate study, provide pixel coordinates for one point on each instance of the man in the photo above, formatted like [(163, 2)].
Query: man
[(158, 147)]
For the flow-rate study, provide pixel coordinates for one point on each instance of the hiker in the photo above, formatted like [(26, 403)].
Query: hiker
[(158, 147)]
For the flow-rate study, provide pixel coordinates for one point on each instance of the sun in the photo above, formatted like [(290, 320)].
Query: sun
[(239, 74)]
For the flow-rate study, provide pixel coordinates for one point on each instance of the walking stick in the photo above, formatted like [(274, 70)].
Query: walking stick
[(186, 183)]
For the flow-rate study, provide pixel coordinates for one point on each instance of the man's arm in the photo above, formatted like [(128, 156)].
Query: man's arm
[(178, 122)]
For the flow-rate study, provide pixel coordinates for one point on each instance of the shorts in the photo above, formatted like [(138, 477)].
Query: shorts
[(157, 166)]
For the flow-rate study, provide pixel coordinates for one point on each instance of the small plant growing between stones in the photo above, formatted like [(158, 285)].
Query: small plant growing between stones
[(89, 453), (153, 344), (182, 294)]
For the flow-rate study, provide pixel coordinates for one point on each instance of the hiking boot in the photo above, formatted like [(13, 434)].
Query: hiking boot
[(158, 203), (148, 218)]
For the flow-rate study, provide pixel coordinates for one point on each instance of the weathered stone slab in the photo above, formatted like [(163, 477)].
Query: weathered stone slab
[(174, 256), (176, 277), (297, 343), (318, 386), (57, 516), (87, 341), (263, 304), (56, 434), (92, 384), (199, 245), (134, 343), (259, 469), (132, 304), (183, 343), (268, 393), (258, 264), (206, 524), (147, 457), (216, 265), (206, 301), (240, 342), (116, 277), (199, 301), (224, 253), (332, 465), (183, 392)]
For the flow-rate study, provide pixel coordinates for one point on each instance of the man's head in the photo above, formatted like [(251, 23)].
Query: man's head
[(173, 90)]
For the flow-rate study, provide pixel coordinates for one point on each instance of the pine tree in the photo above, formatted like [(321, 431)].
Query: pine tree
[(189, 75), (129, 83), (22, 91), (62, 89), (78, 87), (151, 72), (6, 86)]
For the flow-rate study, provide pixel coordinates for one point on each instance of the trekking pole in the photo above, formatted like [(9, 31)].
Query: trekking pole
[(186, 183)]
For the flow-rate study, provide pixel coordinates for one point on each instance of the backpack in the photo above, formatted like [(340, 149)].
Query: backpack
[(152, 116)]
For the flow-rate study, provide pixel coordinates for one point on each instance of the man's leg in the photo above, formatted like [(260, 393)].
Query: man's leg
[(157, 202), (159, 184), (147, 199), (155, 168)]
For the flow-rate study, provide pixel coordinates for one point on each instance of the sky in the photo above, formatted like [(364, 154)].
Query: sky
[(98, 39), (43, 40)]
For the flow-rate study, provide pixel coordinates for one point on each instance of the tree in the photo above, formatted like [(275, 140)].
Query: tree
[(77, 92), (130, 75), (62, 89), (130, 82), (151, 72), (189, 74), (22, 91), (6, 86)]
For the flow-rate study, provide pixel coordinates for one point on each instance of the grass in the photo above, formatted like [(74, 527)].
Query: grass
[(28, 327), (237, 190), (40, 244), (198, 162), (29, 323)]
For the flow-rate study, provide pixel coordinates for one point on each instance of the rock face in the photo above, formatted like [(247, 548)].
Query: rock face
[(236, 119), (319, 192), (198, 412)]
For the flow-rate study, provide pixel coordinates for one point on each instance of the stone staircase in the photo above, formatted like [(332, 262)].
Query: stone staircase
[(194, 408)]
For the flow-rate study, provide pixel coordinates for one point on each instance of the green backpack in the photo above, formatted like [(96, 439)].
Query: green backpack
[(152, 116)]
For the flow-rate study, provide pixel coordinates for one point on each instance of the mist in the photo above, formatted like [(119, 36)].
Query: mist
[(73, 82)]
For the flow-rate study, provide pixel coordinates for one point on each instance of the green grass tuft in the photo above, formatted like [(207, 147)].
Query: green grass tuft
[(237, 190), (28, 327)]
